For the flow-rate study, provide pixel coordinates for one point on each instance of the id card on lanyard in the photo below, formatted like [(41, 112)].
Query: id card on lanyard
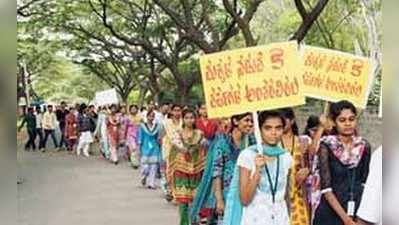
[(273, 187), (351, 202)]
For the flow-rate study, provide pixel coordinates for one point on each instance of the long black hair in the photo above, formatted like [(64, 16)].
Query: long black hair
[(288, 113), (82, 108), (116, 106), (133, 106), (187, 111), (237, 117), (264, 115), (174, 105), (336, 109), (312, 122)]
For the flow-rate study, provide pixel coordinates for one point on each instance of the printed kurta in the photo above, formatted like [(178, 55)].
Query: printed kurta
[(113, 124), (221, 161), (298, 207), (124, 120), (313, 180), (341, 171), (148, 140), (71, 127), (226, 157), (171, 137), (187, 167), (101, 131), (132, 129)]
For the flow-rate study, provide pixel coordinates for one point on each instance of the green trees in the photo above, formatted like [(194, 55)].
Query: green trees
[(152, 46)]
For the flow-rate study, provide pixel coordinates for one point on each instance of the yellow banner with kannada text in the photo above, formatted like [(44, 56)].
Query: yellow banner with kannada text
[(333, 76), (252, 79)]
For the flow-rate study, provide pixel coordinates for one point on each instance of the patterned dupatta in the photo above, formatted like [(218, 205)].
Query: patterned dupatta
[(205, 196), (349, 157)]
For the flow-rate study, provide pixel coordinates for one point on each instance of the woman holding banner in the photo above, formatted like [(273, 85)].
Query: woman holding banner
[(258, 188), (297, 147), (210, 199), (316, 128), (344, 165)]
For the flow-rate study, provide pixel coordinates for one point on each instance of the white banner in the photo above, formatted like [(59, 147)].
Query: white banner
[(106, 97)]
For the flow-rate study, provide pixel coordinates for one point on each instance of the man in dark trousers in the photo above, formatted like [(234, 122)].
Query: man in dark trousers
[(49, 124), (61, 114), (39, 128), (30, 121)]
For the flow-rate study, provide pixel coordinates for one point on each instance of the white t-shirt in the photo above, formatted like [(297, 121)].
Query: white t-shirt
[(39, 118), (370, 208)]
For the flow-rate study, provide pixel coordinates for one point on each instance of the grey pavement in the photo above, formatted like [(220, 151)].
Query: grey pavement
[(59, 188)]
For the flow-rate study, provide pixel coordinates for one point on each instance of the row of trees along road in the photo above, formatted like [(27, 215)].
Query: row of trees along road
[(151, 47)]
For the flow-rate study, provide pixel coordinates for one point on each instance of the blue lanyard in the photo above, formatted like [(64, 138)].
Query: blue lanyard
[(273, 188)]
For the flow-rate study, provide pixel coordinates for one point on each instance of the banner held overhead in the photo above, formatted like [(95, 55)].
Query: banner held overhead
[(333, 76), (252, 79)]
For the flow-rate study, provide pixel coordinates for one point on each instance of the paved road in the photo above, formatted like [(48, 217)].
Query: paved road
[(62, 189)]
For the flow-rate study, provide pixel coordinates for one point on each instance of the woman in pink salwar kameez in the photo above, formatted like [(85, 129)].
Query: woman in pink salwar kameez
[(113, 126), (132, 126), (124, 120)]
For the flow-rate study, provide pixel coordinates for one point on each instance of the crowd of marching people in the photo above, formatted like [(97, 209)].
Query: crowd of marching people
[(214, 170)]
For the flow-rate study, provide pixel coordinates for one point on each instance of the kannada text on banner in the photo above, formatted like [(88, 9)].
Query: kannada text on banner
[(251, 79), (332, 75)]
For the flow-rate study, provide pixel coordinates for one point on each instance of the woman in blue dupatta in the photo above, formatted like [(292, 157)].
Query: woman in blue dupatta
[(258, 189), (150, 150), (208, 204)]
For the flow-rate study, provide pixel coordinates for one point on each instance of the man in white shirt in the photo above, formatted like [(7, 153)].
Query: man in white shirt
[(369, 212), (49, 124), (39, 128), (163, 113)]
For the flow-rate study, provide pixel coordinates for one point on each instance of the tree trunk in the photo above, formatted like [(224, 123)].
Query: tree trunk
[(155, 97), (25, 83), (124, 95), (184, 91), (153, 81), (373, 41), (142, 93)]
